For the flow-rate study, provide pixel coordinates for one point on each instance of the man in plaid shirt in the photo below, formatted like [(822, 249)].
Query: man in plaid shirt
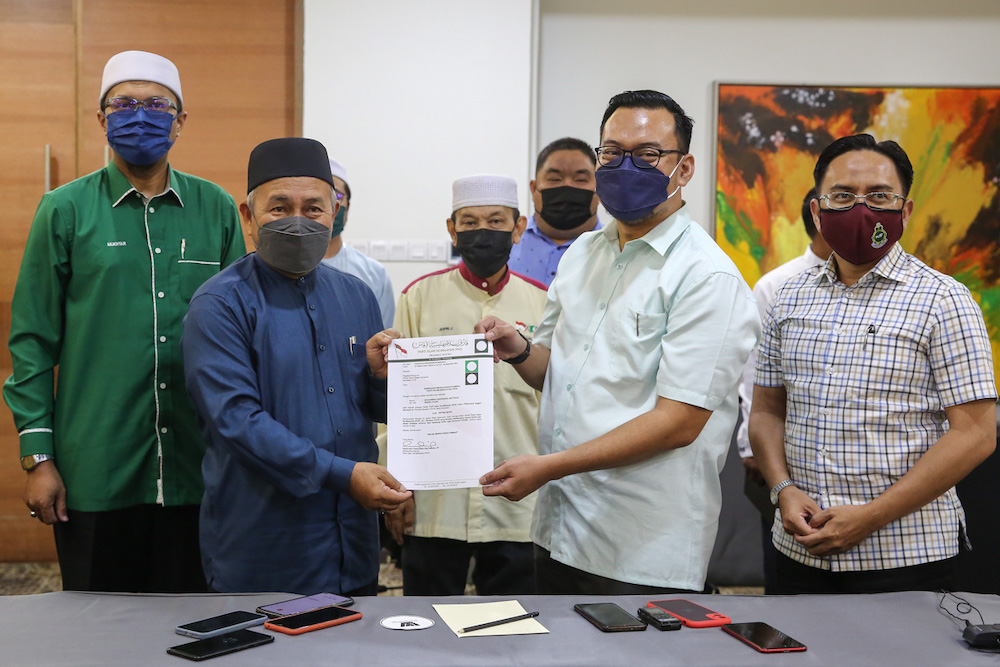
[(874, 394)]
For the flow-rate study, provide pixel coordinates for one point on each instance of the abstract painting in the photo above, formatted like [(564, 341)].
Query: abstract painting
[(768, 139)]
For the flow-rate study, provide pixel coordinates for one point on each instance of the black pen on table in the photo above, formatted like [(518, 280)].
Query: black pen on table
[(502, 621)]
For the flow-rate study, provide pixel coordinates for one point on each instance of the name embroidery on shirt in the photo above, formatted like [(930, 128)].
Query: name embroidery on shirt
[(112, 244)]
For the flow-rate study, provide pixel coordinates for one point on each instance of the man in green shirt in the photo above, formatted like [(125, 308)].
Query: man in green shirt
[(113, 456)]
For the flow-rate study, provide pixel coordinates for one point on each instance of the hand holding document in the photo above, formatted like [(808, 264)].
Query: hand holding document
[(440, 426)]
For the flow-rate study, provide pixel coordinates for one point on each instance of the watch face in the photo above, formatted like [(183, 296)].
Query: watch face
[(27, 462)]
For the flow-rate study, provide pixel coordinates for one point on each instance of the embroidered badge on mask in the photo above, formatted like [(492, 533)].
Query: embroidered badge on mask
[(879, 237)]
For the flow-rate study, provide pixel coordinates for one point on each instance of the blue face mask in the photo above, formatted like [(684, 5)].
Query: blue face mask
[(338, 221), (630, 193), (141, 137)]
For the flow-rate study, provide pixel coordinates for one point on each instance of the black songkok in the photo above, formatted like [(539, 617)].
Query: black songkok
[(283, 158)]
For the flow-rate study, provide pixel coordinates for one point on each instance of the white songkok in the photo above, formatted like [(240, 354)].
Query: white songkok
[(338, 170), (484, 190), (140, 66)]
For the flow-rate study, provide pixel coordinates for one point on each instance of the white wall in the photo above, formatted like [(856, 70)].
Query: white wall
[(593, 49), (410, 96)]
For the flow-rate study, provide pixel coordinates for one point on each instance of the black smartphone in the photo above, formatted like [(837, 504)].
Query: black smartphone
[(307, 621), (218, 625), (763, 637), (203, 649), (658, 618), (609, 617)]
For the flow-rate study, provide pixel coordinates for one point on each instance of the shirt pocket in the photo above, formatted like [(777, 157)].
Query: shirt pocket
[(193, 273), (636, 344)]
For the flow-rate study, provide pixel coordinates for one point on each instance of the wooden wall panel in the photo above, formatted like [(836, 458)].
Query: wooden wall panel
[(237, 67), (239, 64), (37, 98)]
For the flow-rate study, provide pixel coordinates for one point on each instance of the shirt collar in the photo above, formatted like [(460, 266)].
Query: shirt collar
[(478, 282), (121, 187), (891, 267), (661, 237)]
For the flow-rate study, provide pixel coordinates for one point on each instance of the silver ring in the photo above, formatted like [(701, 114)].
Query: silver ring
[(33, 514)]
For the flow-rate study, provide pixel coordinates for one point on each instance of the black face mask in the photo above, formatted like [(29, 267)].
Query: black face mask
[(484, 251), (566, 207)]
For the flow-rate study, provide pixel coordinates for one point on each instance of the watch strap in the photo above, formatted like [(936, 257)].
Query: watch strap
[(521, 358)]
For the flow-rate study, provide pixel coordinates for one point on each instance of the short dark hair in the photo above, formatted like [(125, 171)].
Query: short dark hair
[(565, 144), (651, 99), (866, 142), (807, 216)]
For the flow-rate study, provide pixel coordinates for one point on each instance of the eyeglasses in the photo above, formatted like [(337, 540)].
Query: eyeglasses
[(340, 195), (125, 103), (612, 156), (878, 201)]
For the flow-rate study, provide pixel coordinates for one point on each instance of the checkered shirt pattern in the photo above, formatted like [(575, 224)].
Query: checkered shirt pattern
[(868, 371)]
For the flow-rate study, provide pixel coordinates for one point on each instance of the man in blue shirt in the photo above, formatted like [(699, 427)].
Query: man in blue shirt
[(285, 367), (565, 201)]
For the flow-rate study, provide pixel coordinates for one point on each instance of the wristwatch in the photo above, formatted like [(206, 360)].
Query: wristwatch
[(521, 358), (31, 461), (778, 488)]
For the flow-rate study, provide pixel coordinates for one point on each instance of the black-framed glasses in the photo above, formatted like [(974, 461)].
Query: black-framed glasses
[(126, 103), (877, 201), (648, 157)]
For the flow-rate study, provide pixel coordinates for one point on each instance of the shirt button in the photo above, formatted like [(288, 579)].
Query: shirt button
[(618, 265), (340, 431), (322, 347), (824, 411), (312, 306), (586, 346), (163, 385), (160, 294), (558, 431), (302, 279), (152, 210), (163, 339), (600, 306), (156, 250), (330, 390), (568, 387), (163, 430)]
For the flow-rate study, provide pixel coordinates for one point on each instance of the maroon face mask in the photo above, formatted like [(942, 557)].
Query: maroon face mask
[(861, 235)]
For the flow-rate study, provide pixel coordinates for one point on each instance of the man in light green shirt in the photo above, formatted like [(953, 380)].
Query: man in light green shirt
[(113, 457)]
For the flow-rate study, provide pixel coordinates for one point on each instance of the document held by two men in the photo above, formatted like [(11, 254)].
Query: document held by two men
[(440, 425)]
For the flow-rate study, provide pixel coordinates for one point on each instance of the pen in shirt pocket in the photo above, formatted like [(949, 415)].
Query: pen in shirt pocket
[(868, 334), (637, 325), (351, 341)]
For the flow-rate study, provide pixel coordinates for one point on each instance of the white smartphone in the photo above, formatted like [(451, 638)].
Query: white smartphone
[(219, 625)]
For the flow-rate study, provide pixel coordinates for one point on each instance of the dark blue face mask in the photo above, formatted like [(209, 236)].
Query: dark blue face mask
[(630, 193), (141, 137)]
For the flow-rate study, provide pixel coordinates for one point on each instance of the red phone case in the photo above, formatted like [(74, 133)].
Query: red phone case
[(273, 623), (691, 614)]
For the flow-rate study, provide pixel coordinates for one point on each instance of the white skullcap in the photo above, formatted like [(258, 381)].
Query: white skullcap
[(338, 170), (484, 190), (140, 66)]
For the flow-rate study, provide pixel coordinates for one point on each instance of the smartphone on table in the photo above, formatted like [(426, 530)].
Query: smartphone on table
[(609, 617), (219, 625), (203, 649), (307, 621), (304, 603), (691, 614), (763, 637)]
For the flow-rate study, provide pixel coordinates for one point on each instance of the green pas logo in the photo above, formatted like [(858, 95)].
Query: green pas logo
[(879, 236)]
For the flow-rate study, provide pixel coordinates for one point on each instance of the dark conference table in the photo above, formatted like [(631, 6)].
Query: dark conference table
[(118, 629)]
